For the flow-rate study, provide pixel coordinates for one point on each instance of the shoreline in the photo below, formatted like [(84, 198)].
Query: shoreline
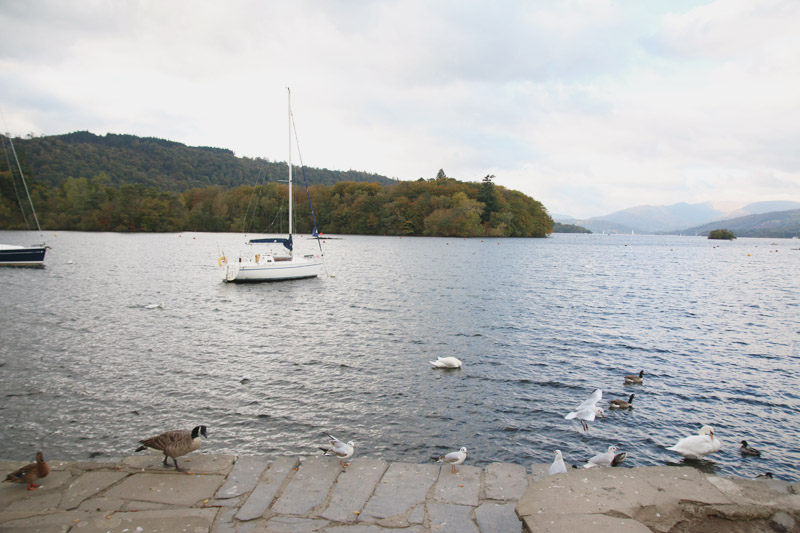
[(233, 494)]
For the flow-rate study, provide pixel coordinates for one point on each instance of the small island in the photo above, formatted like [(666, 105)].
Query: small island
[(721, 234)]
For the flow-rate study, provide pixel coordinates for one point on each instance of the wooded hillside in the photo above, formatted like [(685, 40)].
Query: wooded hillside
[(439, 206)]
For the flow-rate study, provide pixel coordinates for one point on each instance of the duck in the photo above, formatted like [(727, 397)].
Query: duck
[(587, 411), (446, 362), (602, 459), (340, 449), (176, 443), (747, 450), (558, 466), (621, 404), (619, 458), (30, 473), (698, 446), (454, 458), (633, 379), (765, 475)]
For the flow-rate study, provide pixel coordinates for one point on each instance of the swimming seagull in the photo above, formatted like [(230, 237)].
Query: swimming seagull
[(588, 410), (621, 404), (340, 449), (602, 459), (175, 443), (747, 450), (633, 379), (446, 362), (558, 466), (455, 458), (697, 446)]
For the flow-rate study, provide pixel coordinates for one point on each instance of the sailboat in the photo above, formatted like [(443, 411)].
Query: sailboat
[(277, 262), (22, 256)]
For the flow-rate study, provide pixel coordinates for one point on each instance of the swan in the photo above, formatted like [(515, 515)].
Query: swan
[(454, 458), (340, 449), (697, 446), (621, 404), (558, 466), (446, 362)]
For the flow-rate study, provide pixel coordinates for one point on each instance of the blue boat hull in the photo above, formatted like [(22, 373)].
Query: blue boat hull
[(23, 257)]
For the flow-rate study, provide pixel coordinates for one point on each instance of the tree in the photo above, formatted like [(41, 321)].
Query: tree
[(488, 196), (721, 234)]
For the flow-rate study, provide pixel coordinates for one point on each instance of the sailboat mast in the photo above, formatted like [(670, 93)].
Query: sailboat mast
[(290, 160), (22, 176)]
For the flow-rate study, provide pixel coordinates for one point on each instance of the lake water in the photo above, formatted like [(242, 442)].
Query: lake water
[(86, 370)]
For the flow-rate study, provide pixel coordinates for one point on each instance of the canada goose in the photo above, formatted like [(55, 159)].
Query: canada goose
[(621, 404), (558, 466), (747, 450), (30, 473), (633, 379), (446, 362), (697, 446), (602, 459), (588, 410), (454, 458), (340, 449), (175, 443)]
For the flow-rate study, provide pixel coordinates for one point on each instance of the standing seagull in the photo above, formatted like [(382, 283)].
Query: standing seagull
[(30, 473), (454, 458), (175, 443), (558, 466), (588, 410), (340, 449), (697, 446), (602, 459)]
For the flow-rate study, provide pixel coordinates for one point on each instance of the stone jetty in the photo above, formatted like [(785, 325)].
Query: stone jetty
[(245, 494)]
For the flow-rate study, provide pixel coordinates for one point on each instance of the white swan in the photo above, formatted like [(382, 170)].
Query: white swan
[(697, 446), (558, 466), (446, 362)]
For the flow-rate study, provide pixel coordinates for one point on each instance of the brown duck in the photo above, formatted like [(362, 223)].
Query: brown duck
[(175, 443), (30, 473)]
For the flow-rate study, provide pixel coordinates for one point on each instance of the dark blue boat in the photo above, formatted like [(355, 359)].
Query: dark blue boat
[(22, 256)]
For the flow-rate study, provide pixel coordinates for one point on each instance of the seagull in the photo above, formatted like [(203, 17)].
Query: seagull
[(621, 404), (697, 446), (455, 458), (602, 459), (558, 466), (588, 410), (747, 450), (633, 379), (340, 449), (446, 362), (159, 305)]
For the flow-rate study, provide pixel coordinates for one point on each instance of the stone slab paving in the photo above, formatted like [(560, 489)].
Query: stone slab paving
[(226, 494)]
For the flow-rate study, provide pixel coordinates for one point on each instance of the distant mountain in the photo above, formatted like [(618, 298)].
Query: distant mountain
[(160, 163), (672, 218), (776, 224)]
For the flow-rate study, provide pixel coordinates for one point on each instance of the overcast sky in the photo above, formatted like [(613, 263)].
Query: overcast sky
[(589, 106)]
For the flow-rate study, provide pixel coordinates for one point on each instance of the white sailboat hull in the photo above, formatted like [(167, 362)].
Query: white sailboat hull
[(268, 269)]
